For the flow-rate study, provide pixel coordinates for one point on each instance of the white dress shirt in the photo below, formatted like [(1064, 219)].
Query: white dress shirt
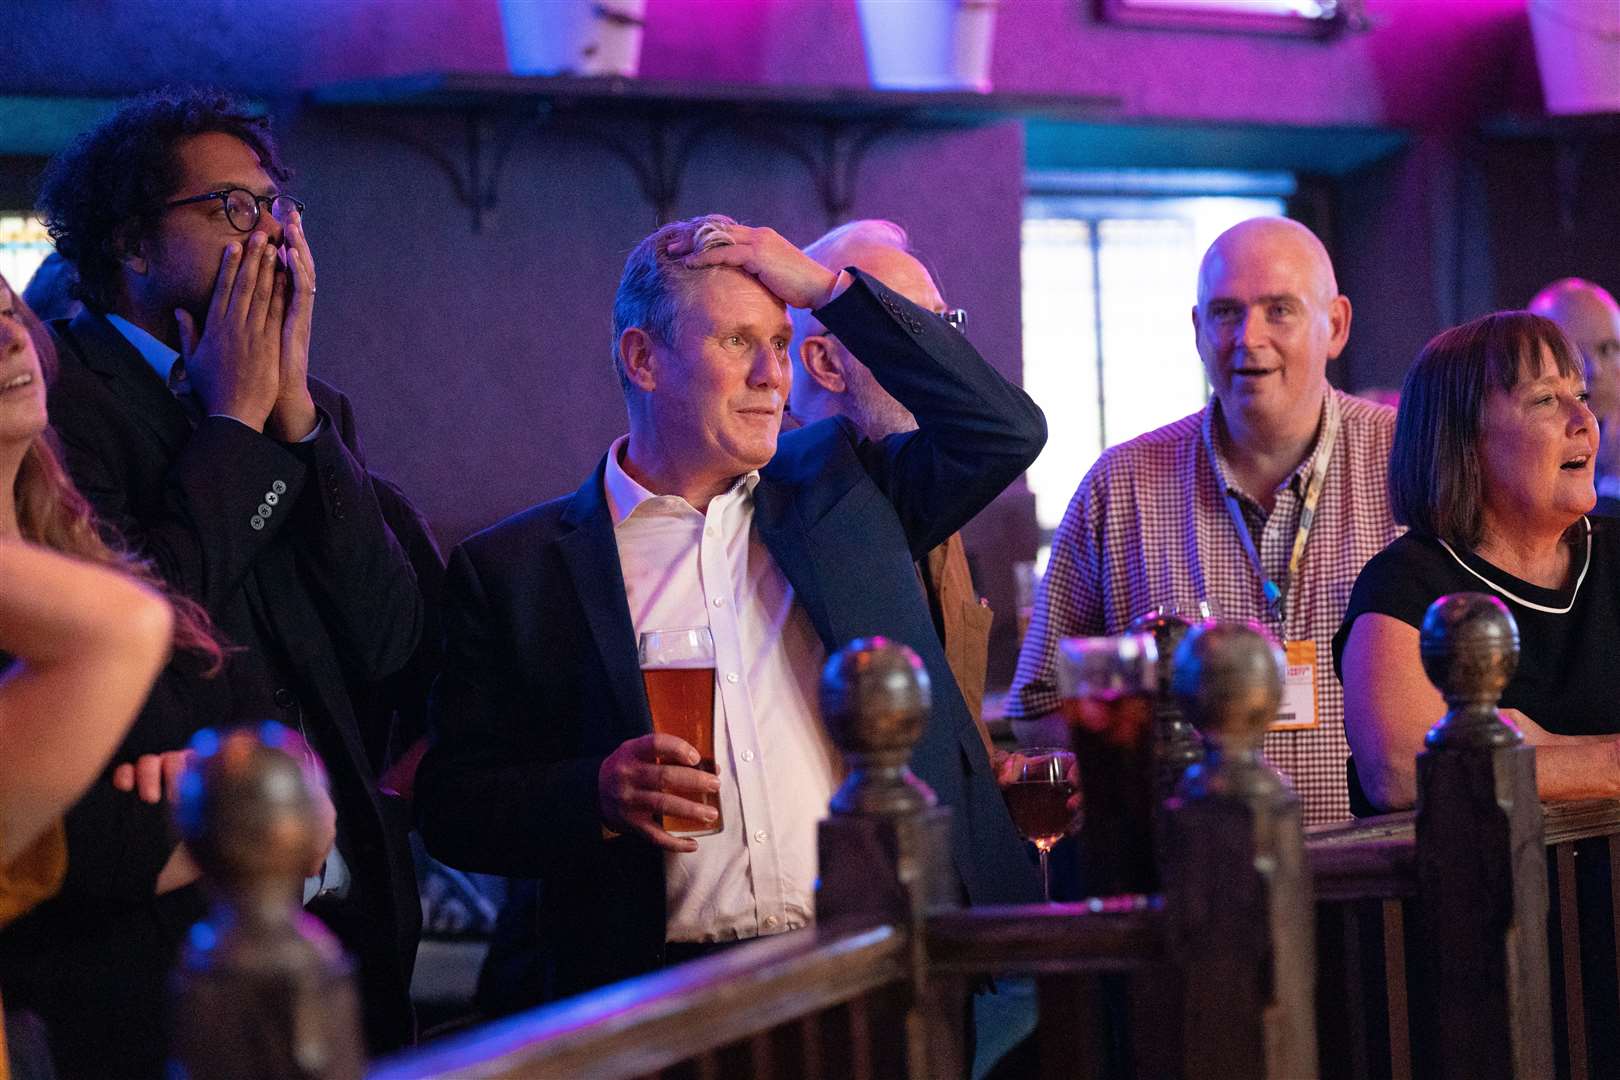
[(778, 770)]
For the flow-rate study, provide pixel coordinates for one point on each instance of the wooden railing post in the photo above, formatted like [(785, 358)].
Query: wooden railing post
[(1237, 891), (885, 848), (1481, 864), (262, 990)]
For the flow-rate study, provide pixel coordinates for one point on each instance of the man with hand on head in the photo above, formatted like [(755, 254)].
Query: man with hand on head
[(189, 418), (1588, 314), (1263, 506), (829, 381), (545, 764)]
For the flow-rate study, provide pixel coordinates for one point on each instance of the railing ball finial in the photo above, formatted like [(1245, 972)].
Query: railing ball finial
[(246, 811), (875, 701), (1470, 650), (262, 989), (1228, 678)]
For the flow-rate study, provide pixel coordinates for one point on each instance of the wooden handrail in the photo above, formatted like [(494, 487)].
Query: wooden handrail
[(1569, 821), (1046, 939), (651, 1023)]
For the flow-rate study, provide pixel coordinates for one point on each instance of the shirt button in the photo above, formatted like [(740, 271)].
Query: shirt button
[(770, 922), (760, 836), (719, 601), (708, 532), (731, 676), (748, 755)]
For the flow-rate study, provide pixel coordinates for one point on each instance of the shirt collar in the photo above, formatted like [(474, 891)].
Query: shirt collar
[(161, 358), (625, 496), (1297, 479)]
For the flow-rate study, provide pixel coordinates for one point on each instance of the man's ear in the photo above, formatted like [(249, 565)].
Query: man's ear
[(130, 247), (1339, 326), (823, 364), (639, 357)]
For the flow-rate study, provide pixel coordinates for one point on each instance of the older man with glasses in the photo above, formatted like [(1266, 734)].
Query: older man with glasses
[(188, 416)]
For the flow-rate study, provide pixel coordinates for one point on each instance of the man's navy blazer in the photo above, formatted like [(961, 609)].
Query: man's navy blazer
[(541, 681)]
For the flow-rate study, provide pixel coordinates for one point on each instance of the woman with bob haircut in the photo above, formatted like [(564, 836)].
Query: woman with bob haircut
[(1491, 471)]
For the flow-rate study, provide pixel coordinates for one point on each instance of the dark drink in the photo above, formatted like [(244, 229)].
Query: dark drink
[(1040, 810), (1113, 717), (682, 704)]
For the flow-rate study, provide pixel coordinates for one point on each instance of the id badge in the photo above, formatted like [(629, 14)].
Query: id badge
[(1298, 709)]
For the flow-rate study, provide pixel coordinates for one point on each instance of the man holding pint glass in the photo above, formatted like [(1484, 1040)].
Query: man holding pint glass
[(701, 543)]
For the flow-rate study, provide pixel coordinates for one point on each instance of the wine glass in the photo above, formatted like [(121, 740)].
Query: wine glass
[(1044, 801)]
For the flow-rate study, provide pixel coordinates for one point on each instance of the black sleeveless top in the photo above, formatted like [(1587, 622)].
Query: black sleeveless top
[(1568, 679)]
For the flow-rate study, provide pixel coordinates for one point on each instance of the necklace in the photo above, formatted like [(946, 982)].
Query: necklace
[(1565, 610)]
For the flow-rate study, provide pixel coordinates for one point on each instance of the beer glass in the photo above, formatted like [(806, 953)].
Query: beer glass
[(1043, 803), (677, 668)]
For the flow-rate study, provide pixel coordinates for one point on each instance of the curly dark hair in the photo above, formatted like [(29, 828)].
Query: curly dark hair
[(107, 189)]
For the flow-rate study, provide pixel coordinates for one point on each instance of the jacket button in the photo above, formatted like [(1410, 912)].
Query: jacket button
[(279, 487), (271, 497), (257, 522), (264, 511), (284, 698)]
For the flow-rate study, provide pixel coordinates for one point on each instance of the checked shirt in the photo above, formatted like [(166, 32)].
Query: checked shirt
[(1149, 526)]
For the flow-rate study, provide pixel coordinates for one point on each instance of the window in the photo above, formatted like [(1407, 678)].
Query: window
[(24, 243), (1110, 267)]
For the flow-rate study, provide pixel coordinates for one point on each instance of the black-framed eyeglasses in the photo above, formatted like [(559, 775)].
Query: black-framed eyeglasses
[(242, 206)]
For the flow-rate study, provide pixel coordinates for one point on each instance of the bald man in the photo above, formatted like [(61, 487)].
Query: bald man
[(1589, 315), (1211, 509), (829, 381)]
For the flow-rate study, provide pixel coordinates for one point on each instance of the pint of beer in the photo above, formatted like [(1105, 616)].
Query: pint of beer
[(677, 668)]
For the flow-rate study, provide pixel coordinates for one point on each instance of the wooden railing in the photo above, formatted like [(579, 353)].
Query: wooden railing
[(1367, 892), (1442, 943)]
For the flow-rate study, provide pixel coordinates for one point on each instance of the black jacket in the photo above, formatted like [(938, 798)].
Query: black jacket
[(541, 680), (319, 603)]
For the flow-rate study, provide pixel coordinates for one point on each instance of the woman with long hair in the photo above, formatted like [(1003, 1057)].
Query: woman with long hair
[(83, 638), (69, 960)]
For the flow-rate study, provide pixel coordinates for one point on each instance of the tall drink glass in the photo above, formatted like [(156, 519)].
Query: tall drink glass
[(1107, 686), (677, 668)]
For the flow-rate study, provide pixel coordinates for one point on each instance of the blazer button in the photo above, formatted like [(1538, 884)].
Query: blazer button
[(271, 497), (279, 487), (264, 511), (257, 522), (284, 698)]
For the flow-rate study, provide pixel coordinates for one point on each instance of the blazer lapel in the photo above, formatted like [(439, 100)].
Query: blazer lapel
[(783, 531), (592, 557), (108, 353)]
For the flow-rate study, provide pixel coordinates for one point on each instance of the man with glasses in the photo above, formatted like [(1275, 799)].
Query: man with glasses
[(189, 418), (829, 381)]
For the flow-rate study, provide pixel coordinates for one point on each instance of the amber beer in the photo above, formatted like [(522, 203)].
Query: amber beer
[(682, 704), (677, 668)]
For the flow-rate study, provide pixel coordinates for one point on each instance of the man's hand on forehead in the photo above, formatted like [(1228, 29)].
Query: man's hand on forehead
[(792, 276)]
